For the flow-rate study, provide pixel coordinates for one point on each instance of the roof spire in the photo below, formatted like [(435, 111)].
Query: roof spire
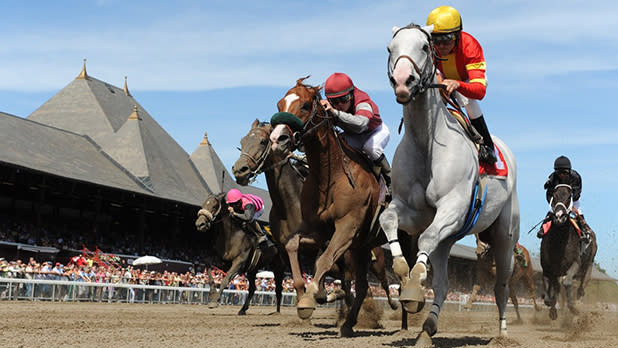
[(126, 88), (205, 140), (134, 115), (83, 75)]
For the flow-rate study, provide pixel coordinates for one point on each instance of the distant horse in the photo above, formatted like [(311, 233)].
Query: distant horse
[(523, 275), (562, 254), (339, 201), (238, 247), (285, 176), (435, 172)]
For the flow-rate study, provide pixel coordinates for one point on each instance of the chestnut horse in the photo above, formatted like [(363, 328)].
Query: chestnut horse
[(523, 275), (564, 254), (339, 201), (238, 247), (285, 174)]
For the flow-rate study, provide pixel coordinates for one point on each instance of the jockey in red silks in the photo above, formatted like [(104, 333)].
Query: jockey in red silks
[(248, 208), (462, 67), (360, 120)]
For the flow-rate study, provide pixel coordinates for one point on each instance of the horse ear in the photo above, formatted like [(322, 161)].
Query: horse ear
[(255, 123), (427, 28), (299, 82)]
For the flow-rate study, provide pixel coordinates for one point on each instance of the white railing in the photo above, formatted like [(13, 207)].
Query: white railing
[(58, 290)]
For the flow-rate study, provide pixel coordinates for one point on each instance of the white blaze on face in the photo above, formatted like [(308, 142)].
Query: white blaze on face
[(275, 134), (289, 99)]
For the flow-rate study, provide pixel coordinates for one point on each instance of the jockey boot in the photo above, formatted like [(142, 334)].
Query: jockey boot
[(263, 242), (381, 166), (540, 233), (486, 151), (583, 226)]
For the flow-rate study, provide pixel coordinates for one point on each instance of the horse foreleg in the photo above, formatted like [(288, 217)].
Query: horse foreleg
[(389, 221), (279, 287), (378, 268), (503, 255), (291, 247), (233, 271), (245, 306), (361, 262), (568, 285), (472, 298)]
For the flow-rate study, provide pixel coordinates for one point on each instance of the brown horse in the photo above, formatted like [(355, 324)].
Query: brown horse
[(523, 274), (564, 254), (285, 174), (238, 247), (339, 201)]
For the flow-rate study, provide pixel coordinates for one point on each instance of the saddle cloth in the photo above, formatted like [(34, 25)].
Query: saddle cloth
[(498, 169)]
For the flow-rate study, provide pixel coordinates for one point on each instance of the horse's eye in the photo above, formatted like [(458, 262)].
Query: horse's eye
[(306, 106), (264, 142), (426, 47)]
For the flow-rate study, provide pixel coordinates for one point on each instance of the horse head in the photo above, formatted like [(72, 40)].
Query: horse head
[(254, 152), (561, 203), (300, 112), (209, 212), (410, 61)]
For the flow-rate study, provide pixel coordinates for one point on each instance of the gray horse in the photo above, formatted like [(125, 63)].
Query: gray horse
[(435, 171)]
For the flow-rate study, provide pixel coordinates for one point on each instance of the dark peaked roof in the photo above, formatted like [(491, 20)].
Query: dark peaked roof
[(47, 149), (127, 133), (218, 178), (211, 167)]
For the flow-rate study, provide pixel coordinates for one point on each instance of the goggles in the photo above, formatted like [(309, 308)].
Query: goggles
[(340, 100), (443, 38)]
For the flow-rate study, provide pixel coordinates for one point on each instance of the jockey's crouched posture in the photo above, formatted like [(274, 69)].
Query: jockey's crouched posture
[(360, 120), (248, 208), (564, 174)]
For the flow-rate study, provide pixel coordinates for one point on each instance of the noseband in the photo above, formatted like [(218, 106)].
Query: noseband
[(257, 163), (210, 216), (556, 205)]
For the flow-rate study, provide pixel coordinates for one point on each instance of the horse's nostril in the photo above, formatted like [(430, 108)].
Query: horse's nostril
[(410, 80)]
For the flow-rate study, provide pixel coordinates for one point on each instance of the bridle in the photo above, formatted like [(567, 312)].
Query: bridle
[(426, 73), (210, 216), (257, 163), (556, 205)]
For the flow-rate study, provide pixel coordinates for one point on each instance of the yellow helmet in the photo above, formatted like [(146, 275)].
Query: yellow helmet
[(445, 20)]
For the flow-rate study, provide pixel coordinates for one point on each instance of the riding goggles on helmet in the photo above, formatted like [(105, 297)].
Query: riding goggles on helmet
[(443, 38), (340, 100)]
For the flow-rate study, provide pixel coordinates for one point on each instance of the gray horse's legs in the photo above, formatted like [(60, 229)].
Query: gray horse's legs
[(503, 255), (439, 263)]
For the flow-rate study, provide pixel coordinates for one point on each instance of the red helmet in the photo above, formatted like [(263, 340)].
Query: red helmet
[(338, 84), (233, 196)]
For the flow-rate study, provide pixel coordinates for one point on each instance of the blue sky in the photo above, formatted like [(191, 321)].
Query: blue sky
[(216, 66)]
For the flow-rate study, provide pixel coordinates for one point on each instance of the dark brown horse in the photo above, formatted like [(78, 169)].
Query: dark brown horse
[(239, 248), (523, 274), (564, 254), (339, 201), (285, 174)]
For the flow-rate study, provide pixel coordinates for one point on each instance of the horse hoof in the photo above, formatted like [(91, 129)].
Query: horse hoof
[(503, 332), (400, 267), (304, 313), (430, 326), (412, 298), (346, 331), (423, 340), (394, 305), (212, 305), (241, 312), (553, 313)]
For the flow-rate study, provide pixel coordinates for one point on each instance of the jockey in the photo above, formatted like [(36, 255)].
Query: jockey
[(462, 68), (360, 120), (248, 208), (564, 174)]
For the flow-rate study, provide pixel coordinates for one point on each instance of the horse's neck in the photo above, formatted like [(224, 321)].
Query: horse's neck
[(324, 155), (424, 117), (283, 182)]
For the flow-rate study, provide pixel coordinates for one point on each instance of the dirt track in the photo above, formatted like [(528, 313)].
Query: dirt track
[(41, 324)]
